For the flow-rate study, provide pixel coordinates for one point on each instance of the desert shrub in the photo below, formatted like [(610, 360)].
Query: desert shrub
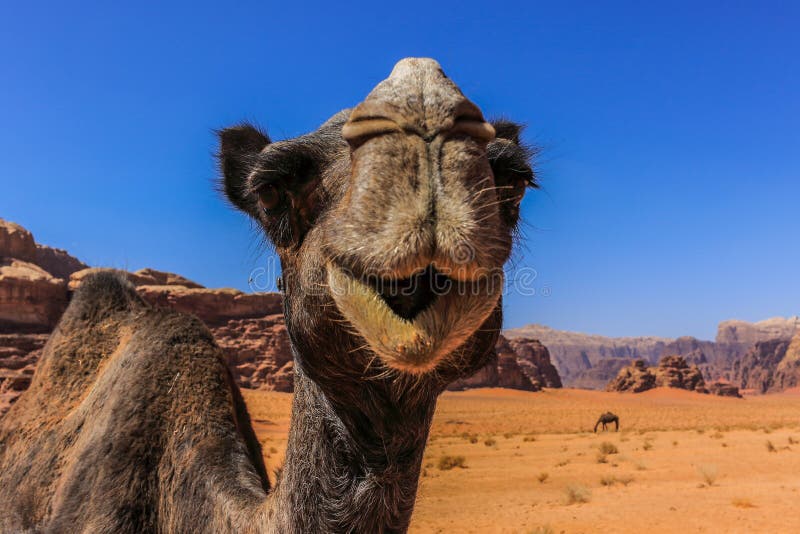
[(508, 435), (448, 462), (273, 450), (708, 473), (771, 447), (529, 438), (602, 458), (674, 443), (490, 442), (608, 481), (544, 529), (608, 448), (542, 477), (647, 445), (625, 479), (793, 441), (562, 463), (640, 466), (717, 435), (743, 503), (578, 494)]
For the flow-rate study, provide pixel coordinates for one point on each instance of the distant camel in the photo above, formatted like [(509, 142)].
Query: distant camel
[(605, 419)]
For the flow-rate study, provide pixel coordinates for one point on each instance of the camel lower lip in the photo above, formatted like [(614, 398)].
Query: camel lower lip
[(417, 344)]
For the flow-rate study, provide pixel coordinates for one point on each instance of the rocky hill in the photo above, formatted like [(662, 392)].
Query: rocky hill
[(770, 366)]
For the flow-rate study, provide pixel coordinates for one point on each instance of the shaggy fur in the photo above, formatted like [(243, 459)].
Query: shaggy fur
[(133, 424)]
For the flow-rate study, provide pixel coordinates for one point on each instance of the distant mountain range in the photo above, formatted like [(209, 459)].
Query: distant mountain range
[(590, 361)]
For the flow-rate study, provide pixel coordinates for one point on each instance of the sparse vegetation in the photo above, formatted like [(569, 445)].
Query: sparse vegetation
[(448, 462), (708, 473), (647, 445), (602, 458), (743, 503), (578, 494), (544, 529), (793, 441), (771, 447), (542, 477), (490, 442), (608, 448), (529, 438), (562, 463), (717, 435)]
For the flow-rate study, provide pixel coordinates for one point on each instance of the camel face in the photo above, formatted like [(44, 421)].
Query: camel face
[(392, 221)]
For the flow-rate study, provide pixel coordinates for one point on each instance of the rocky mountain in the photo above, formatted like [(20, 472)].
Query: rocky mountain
[(590, 361), (770, 366)]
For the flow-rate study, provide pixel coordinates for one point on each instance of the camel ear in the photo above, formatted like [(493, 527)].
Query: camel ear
[(239, 147), (507, 130)]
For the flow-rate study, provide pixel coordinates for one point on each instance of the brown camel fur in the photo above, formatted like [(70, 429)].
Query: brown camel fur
[(392, 222), (606, 419)]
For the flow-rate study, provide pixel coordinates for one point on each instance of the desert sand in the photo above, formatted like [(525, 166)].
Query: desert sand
[(684, 462)]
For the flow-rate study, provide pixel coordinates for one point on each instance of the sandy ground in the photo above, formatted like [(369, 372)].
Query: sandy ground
[(685, 462)]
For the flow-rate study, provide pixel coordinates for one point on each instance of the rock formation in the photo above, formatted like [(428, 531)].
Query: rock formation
[(672, 371), (518, 364), (770, 366)]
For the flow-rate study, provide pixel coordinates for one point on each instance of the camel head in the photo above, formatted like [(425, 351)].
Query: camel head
[(392, 222)]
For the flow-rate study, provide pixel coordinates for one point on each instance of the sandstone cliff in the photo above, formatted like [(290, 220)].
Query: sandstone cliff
[(770, 366)]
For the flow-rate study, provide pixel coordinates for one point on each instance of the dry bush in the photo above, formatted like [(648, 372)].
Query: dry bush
[(529, 438), (647, 445), (490, 442), (771, 447), (625, 479), (608, 448), (674, 443), (273, 450), (708, 473), (508, 435), (544, 529), (448, 462), (578, 494), (542, 477), (717, 435), (743, 503), (793, 441), (602, 458), (562, 463), (640, 466), (608, 481)]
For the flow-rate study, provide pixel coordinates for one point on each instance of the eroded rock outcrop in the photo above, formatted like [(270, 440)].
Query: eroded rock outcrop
[(672, 371), (516, 364)]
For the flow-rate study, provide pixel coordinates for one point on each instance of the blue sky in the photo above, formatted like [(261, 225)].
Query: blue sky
[(671, 147)]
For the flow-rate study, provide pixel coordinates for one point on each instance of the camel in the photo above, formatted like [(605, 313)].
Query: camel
[(605, 419), (392, 223)]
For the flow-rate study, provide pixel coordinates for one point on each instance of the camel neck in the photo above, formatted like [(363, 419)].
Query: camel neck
[(349, 470)]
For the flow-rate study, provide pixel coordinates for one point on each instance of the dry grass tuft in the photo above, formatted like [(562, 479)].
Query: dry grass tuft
[(771, 447), (743, 503), (708, 473), (578, 494), (447, 462), (608, 448), (529, 438), (542, 477), (490, 442)]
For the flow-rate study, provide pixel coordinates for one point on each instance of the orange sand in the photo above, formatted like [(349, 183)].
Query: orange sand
[(671, 445)]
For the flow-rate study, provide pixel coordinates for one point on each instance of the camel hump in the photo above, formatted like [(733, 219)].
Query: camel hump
[(101, 293)]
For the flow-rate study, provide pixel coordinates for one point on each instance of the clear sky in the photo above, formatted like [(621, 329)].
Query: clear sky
[(671, 137)]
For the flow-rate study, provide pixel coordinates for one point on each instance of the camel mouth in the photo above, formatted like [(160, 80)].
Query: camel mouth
[(413, 323)]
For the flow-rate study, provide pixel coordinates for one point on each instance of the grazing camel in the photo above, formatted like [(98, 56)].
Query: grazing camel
[(605, 419), (392, 222)]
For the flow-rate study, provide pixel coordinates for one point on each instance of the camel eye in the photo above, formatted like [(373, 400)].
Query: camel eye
[(269, 197)]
